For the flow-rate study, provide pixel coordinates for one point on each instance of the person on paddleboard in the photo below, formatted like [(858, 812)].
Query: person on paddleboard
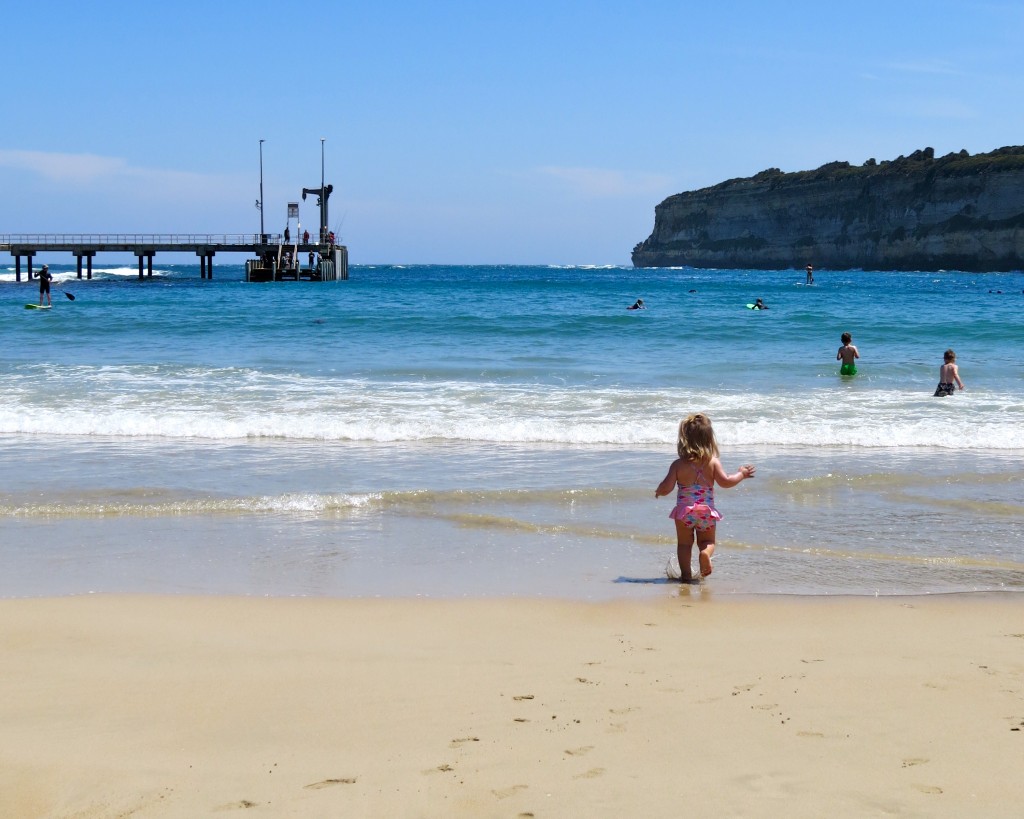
[(44, 285)]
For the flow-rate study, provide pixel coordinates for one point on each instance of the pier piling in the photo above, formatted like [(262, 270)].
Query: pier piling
[(88, 254)]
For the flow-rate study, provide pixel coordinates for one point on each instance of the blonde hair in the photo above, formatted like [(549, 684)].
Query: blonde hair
[(697, 439)]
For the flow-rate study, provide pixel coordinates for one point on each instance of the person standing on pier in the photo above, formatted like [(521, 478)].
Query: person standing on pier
[(44, 285), (287, 235), (305, 238)]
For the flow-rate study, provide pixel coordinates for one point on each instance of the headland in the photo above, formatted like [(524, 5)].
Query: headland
[(916, 212)]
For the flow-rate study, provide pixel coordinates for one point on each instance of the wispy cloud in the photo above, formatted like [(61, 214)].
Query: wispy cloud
[(937, 109), (943, 67), (74, 168), (601, 182), (112, 172)]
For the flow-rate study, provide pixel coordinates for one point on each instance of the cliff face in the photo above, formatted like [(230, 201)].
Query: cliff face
[(958, 212)]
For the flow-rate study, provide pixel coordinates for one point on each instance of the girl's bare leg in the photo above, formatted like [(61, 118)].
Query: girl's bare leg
[(684, 550), (706, 550)]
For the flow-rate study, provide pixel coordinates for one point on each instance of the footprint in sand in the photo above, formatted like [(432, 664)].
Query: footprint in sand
[(458, 743), (813, 734), (929, 788), (505, 793), (239, 805), (326, 783), (521, 697), (580, 751), (910, 763), (593, 773)]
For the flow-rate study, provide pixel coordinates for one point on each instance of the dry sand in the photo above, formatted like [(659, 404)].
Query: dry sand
[(694, 705)]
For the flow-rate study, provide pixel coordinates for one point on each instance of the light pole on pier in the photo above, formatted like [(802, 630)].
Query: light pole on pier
[(323, 194), (261, 189)]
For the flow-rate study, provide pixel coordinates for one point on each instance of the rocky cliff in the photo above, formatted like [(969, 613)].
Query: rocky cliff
[(957, 212)]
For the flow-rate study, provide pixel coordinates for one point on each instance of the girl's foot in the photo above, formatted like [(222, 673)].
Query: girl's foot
[(674, 572), (705, 564)]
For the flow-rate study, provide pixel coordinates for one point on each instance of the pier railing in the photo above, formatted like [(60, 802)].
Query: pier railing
[(186, 240)]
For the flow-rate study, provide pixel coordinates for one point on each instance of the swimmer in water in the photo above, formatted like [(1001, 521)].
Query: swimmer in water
[(847, 354)]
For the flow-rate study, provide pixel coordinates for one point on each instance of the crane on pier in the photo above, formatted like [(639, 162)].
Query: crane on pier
[(322, 194)]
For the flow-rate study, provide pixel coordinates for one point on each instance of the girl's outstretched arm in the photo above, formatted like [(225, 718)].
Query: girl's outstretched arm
[(723, 480), (669, 483)]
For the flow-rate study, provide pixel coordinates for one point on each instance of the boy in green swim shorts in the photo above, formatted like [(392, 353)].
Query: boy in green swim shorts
[(847, 354)]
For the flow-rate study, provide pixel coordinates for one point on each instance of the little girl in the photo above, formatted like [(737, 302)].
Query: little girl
[(695, 473)]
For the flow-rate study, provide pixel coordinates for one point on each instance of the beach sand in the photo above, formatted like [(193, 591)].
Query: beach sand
[(686, 705)]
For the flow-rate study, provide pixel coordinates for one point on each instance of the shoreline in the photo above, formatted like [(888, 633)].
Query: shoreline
[(557, 522), (164, 706)]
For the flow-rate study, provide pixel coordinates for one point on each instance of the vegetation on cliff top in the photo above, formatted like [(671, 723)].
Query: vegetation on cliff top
[(921, 162)]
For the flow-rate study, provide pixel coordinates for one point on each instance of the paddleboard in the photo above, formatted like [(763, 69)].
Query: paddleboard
[(37, 306)]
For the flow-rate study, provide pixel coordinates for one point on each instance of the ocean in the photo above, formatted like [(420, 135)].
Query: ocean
[(435, 431)]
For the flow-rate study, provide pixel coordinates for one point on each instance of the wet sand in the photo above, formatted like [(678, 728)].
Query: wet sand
[(182, 707)]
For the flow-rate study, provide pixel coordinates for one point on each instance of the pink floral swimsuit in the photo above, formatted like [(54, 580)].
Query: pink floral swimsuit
[(695, 505)]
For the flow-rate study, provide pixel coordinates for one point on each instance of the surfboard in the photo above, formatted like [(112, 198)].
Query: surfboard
[(752, 306), (37, 306)]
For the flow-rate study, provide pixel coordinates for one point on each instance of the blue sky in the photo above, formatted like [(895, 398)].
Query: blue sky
[(456, 132)]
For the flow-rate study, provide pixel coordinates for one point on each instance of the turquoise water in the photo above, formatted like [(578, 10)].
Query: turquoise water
[(499, 430)]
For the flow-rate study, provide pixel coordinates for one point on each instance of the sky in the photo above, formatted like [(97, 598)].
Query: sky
[(473, 132)]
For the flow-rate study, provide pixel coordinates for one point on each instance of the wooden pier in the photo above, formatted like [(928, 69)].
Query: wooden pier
[(276, 260)]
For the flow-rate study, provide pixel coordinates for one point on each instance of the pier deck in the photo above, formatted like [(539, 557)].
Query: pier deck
[(146, 245)]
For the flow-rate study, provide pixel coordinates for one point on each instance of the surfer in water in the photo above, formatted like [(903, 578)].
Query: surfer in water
[(637, 305), (810, 274), (760, 305), (44, 285)]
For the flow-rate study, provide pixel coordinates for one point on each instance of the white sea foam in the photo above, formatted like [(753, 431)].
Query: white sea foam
[(239, 404)]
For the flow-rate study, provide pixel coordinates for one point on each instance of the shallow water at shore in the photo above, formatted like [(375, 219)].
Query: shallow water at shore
[(446, 520)]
